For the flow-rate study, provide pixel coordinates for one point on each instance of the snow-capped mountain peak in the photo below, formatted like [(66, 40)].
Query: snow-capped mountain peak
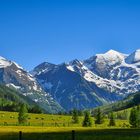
[(112, 52), (1, 57), (17, 65), (103, 78), (14, 76), (111, 56), (4, 63), (134, 57), (42, 68), (75, 62)]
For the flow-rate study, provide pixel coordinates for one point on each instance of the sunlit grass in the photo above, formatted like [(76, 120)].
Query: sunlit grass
[(44, 120), (43, 127)]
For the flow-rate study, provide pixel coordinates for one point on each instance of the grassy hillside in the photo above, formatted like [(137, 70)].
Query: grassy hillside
[(130, 101)]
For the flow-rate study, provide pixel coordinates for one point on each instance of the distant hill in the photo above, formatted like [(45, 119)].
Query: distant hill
[(131, 101)]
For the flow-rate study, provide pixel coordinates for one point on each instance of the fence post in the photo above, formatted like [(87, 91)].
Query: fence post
[(20, 135), (73, 134)]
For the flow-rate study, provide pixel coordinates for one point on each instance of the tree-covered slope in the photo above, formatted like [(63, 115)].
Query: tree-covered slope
[(10, 100), (130, 101)]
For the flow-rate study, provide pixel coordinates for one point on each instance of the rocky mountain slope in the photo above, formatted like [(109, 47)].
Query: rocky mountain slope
[(99, 80), (14, 76)]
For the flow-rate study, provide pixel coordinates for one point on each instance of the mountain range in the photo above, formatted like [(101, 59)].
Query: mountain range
[(99, 80), (14, 76)]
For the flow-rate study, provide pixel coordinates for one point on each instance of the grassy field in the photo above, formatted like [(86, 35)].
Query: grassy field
[(59, 127), (44, 120)]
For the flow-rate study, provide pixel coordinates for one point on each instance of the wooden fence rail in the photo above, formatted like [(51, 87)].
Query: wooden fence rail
[(73, 134), (20, 135)]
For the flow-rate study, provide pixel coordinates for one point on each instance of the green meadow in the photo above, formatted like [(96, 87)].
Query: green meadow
[(45, 120), (59, 127)]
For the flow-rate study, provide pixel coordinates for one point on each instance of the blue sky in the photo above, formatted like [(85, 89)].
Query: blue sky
[(34, 31)]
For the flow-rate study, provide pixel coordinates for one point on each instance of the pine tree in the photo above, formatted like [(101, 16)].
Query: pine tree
[(23, 116), (99, 117), (138, 117), (112, 120), (133, 117), (87, 120), (75, 117)]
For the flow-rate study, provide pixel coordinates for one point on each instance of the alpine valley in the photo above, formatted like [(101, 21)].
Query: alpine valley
[(99, 80)]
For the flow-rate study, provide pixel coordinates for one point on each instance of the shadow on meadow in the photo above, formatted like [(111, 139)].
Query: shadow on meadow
[(106, 134)]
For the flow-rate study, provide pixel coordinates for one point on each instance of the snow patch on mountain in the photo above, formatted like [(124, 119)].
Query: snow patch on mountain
[(70, 68), (12, 85), (18, 66)]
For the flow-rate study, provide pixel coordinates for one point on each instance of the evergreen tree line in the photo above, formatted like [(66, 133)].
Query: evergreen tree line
[(99, 118), (134, 118), (11, 106)]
